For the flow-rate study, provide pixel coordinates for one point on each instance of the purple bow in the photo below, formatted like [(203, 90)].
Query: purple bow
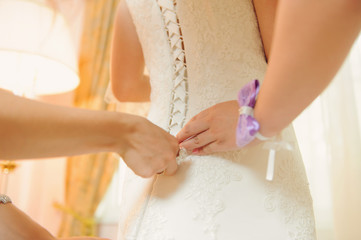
[(247, 126)]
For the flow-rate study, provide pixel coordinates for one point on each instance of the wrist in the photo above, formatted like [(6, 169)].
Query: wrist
[(264, 128), (266, 123), (120, 126), (251, 125), (248, 127)]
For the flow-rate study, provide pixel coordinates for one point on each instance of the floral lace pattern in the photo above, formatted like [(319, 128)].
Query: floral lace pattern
[(215, 171), (210, 193), (285, 194), (153, 222)]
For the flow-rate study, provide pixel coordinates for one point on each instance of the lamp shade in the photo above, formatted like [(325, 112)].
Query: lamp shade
[(37, 52)]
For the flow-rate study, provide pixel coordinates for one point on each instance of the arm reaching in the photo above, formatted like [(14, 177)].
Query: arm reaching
[(32, 129), (311, 40)]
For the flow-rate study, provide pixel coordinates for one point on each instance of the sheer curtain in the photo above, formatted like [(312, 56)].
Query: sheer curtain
[(330, 142), (88, 176)]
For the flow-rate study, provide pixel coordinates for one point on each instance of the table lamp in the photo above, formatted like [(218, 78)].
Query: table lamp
[(38, 55)]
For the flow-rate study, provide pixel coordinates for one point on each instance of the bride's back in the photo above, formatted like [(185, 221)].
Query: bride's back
[(199, 53), (223, 51)]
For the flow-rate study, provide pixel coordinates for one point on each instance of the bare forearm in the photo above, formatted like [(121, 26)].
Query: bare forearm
[(129, 84), (132, 90), (16, 225), (311, 40), (31, 129)]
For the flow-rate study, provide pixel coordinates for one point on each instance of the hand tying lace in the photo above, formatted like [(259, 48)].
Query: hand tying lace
[(229, 126)]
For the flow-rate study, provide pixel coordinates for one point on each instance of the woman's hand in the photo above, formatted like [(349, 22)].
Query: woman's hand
[(212, 130), (146, 148)]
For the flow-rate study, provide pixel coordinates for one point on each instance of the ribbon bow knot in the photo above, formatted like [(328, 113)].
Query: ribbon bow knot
[(248, 126)]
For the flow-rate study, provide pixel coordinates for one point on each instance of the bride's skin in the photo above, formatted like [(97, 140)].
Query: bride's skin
[(129, 84), (306, 42), (311, 40)]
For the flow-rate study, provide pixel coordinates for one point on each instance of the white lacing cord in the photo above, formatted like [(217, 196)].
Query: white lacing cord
[(175, 39), (271, 156), (176, 44)]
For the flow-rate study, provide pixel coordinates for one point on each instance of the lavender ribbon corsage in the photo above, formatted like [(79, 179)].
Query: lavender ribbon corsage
[(247, 126)]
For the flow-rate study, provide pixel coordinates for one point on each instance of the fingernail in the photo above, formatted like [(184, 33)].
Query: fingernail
[(195, 151)]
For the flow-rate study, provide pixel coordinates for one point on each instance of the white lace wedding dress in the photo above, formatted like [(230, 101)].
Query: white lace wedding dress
[(199, 53)]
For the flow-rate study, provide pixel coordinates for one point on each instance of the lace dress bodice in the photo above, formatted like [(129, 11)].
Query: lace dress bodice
[(199, 53), (213, 76)]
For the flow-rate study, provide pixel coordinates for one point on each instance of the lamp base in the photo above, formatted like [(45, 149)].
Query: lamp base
[(6, 168)]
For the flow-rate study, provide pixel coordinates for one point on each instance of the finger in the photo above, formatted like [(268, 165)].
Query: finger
[(161, 172), (171, 168), (195, 126), (208, 149), (169, 157), (198, 141), (140, 165)]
